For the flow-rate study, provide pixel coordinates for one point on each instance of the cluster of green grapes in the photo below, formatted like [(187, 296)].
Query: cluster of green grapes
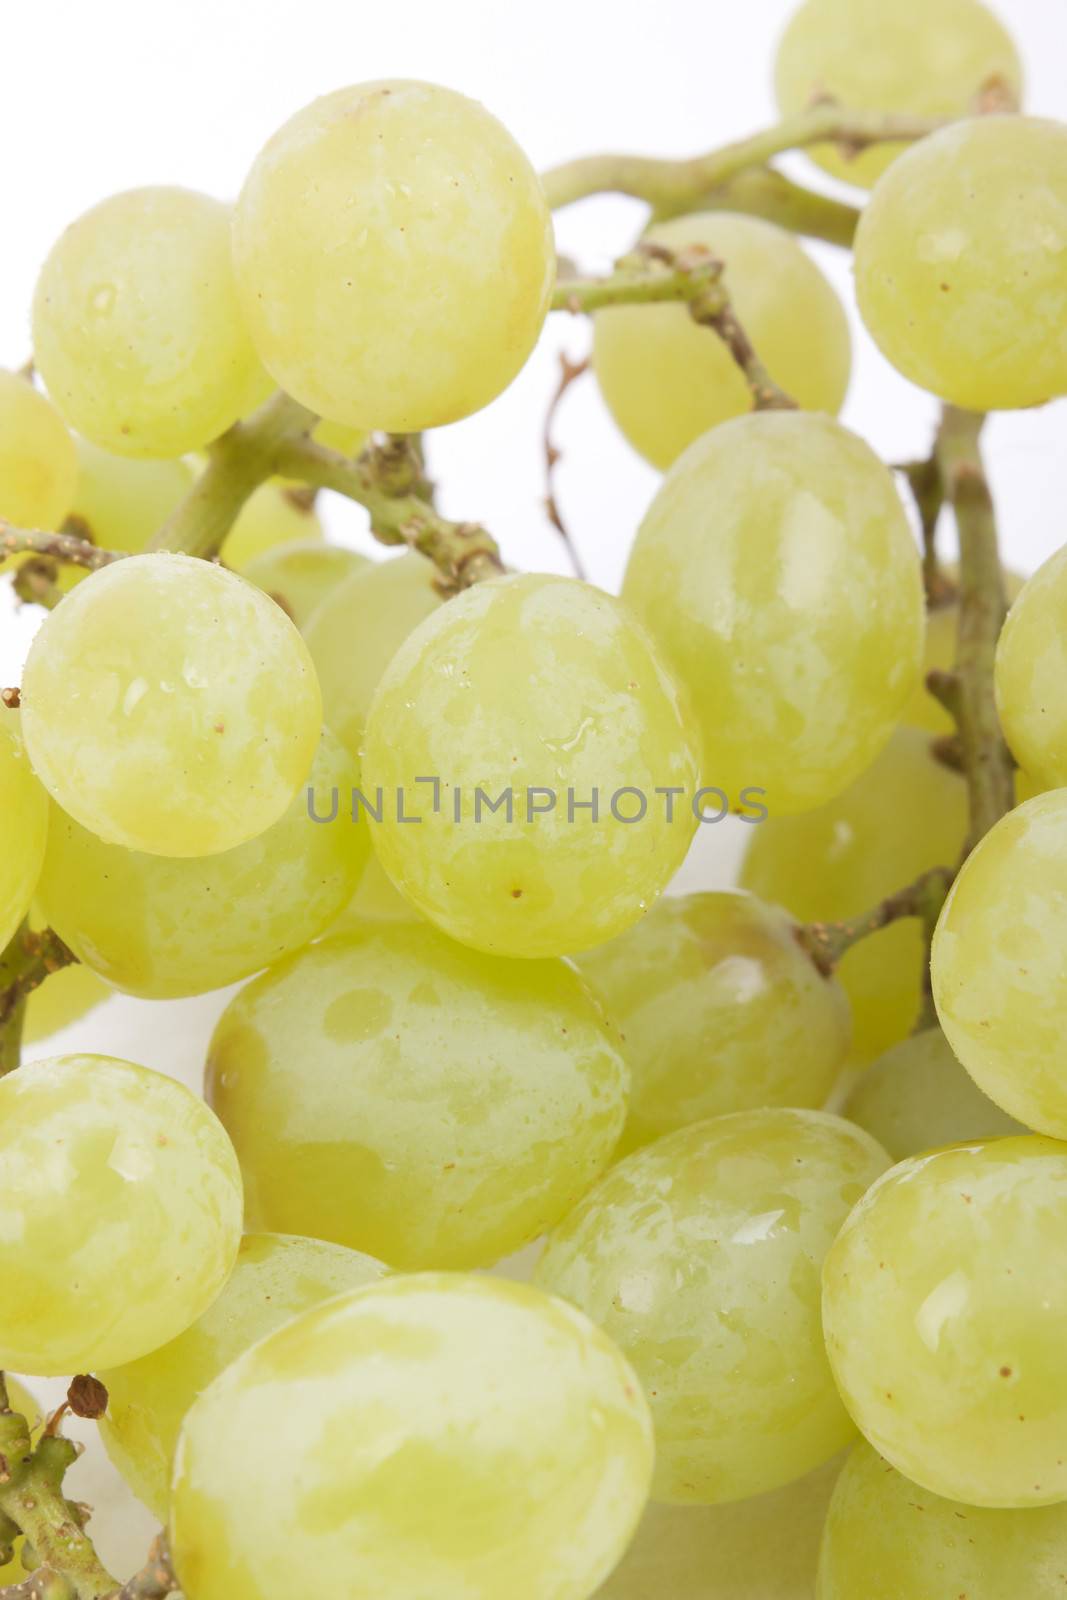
[(464, 1033)]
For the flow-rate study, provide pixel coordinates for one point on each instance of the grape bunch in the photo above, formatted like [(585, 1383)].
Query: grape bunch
[(792, 1155)]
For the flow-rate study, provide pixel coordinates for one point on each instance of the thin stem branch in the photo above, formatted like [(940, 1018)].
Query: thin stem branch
[(31, 1497), (827, 942), (57, 546), (924, 481), (569, 374), (28, 960)]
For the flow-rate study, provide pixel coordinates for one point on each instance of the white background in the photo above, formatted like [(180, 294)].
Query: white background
[(116, 93)]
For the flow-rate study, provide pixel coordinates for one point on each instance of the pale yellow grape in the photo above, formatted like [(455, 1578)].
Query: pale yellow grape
[(961, 263), (300, 576), (67, 995), (917, 1096), (403, 1095), (375, 900), (906, 814), (886, 1538), (357, 630), (666, 380), (765, 1548), (944, 1311), (170, 707), (776, 569), (123, 502), (275, 1277), (720, 1010), (1031, 670), (38, 466), (942, 626), (162, 927), (546, 691), (339, 436), (700, 1255), (137, 330), (999, 977), (120, 1212), (24, 814), (923, 58), (270, 517), (13, 1571), (394, 255)]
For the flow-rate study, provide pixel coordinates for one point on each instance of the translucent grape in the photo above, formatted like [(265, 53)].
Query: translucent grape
[(163, 927), (275, 1277), (68, 995), (924, 58), (375, 900), (339, 436), (667, 380), (458, 1437), (961, 263), (394, 255), (24, 809), (700, 1256), (400, 1094), (1031, 669), (720, 1009), (120, 1212), (38, 467), (906, 814), (776, 568), (357, 630), (300, 576), (136, 326), (123, 502), (14, 1571), (944, 1319), (887, 1538), (545, 690), (273, 515), (170, 707), (998, 970)]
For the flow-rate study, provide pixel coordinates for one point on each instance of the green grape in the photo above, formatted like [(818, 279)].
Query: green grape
[(68, 995), (339, 436), (764, 1548), (169, 706), (700, 1256), (164, 928), (777, 570), (13, 1571), (357, 630), (942, 626), (301, 575), (944, 1317), (38, 466), (922, 58), (998, 971), (272, 515), (906, 814), (24, 810), (123, 502), (442, 1435), (1031, 668), (386, 209), (720, 1010), (917, 1096), (275, 1277), (403, 1095), (667, 380), (375, 900), (542, 692), (120, 1213), (961, 263), (887, 1539), (137, 331)]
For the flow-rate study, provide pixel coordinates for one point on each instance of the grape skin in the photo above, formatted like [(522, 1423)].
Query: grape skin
[(122, 501), (301, 575), (120, 1212), (451, 1436), (269, 517), (24, 809), (667, 380), (398, 1093), (38, 466), (1031, 667), (700, 1255)]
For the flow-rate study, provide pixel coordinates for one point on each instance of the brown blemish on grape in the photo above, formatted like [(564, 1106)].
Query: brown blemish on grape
[(516, 894)]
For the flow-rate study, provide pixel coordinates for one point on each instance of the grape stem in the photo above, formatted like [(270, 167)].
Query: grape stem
[(827, 942), (924, 481), (29, 959), (57, 546), (569, 374)]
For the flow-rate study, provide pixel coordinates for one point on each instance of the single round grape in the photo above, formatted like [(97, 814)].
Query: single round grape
[(998, 971), (170, 707), (120, 502), (120, 1212), (720, 1010), (906, 814), (886, 1538), (542, 692), (163, 928), (777, 570), (339, 436), (765, 1548), (375, 900), (667, 380), (300, 576), (1031, 669), (398, 1093), (68, 995), (961, 263), (24, 809), (275, 1277), (14, 1571), (38, 466), (944, 1319), (357, 630), (942, 627), (386, 208), (137, 331), (700, 1256), (922, 58), (274, 514), (452, 1436)]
